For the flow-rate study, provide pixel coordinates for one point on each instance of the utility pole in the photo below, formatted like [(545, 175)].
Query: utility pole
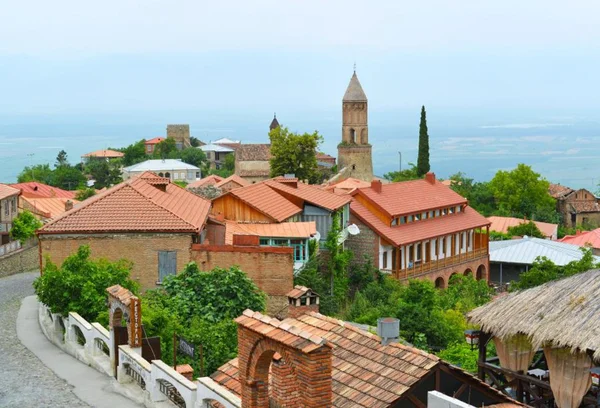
[(400, 153)]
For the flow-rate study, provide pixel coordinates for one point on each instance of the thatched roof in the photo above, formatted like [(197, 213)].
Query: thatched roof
[(564, 312)]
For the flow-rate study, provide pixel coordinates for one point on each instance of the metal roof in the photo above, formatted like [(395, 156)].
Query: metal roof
[(216, 148), (158, 165), (524, 251), (226, 141)]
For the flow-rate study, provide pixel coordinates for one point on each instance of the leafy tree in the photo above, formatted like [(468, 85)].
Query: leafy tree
[(479, 194), (194, 141), (85, 193), (293, 153), (79, 284), (526, 229), (465, 293), (61, 159), (68, 177), (423, 158), (167, 149), (104, 173), (229, 162), (39, 172), (134, 153), (24, 226), (338, 261), (193, 156), (461, 355), (523, 193), (404, 175)]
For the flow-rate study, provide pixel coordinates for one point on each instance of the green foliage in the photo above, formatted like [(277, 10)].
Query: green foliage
[(479, 194), (194, 141), (24, 226), (79, 284), (311, 276), (499, 236), (564, 231), (85, 194), (39, 172), (68, 177), (61, 159), (229, 163), (193, 156), (404, 175), (361, 275), (523, 193), (338, 261), (544, 270), (134, 153), (423, 157), (167, 149), (104, 173), (461, 355), (181, 183), (465, 293), (525, 229), (293, 153)]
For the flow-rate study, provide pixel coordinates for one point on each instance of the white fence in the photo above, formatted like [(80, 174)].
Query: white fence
[(154, 381), (10, 247)]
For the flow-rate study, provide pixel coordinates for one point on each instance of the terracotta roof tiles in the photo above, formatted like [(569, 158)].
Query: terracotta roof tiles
[(234, 178), (36, 189), (8, 191), (155, 140), (110, 154), (502, 224), (582, 239), (267, 201), (211, 180), (47, 207), (281, 230), (310, 193), (138, 204), (557, 191)]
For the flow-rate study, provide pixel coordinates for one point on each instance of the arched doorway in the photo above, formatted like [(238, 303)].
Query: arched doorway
[(468, 272), (451, 278), (352, 136), (481, 272), (439, 283)]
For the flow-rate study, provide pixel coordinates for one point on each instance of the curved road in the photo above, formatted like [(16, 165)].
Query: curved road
[(25, 381)]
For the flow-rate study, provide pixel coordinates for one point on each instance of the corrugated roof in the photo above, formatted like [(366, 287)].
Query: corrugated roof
[(365, 373), (354, 92), (48, 207), (501, 224), (35, 189), (211, 180), (266, 200), (409, 197), (586, 238), (8, 191), (135, 205), (310, 193), (161, 165), (253, 152), (226, 141), (420, 230), (155, 140), (524, 251), (216, 148), (104, 153), (281, 230)]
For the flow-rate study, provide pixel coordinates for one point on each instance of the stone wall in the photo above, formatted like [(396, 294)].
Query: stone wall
[(365, 243), (181, 134), (359, 161), (24, 260), (141, 249), (272, 269)]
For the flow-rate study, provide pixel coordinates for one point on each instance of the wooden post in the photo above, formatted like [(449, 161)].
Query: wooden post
[(483, 340), (175, 351), (398, 263)]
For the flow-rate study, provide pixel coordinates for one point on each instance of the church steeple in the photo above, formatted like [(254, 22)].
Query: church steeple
[(354, 92), (274, 123)]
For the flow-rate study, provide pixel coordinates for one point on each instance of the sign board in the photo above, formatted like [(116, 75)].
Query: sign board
[(135, 323), (186, 347)]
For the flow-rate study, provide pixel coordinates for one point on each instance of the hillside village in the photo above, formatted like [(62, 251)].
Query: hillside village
[(257, 275)]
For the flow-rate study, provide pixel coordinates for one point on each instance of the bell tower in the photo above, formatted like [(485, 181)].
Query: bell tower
[(354, 152)]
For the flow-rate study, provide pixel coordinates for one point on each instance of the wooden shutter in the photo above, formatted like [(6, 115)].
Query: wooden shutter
[(167, 264)]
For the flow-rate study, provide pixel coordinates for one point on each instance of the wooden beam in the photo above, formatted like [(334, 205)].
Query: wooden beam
[(459, 392), (417, 402), (514, 374)]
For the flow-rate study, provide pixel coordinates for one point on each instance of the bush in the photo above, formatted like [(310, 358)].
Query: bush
[(79, 284), (24, 226)]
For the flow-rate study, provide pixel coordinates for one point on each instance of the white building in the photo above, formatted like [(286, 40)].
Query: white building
[(173, 169)]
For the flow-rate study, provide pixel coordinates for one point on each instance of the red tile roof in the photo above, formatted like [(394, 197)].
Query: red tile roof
[(47, 207), (501, 224), (104, 153), (137, 204), (156, 140), (583, 206), (266, 200), (365, 373), (282, 230), (582, 239), (206, 181), (557, 191), (35, 189), (234, 178), (310, 193), (409, 197), (8, 191), (347, 186), (298, 292), (420, 230)]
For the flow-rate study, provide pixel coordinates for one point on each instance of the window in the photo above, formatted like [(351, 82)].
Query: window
[(419, 251), (402, 220), (6, 208), (197, 174), (168, 175), (279, 242), (265, 241), (468, 239), (437, 213), (417, 217), (430, 214), (13, 204), (167, 264), (161, 174), (451, 210), (443, 246), (424, 216), (299, 246), (149, 148), (410, 218), (394, 221), (385, 261), (445, 211), (458, 209), (176, 176)]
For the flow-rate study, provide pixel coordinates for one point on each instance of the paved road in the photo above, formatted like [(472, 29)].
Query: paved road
[(25, 381)]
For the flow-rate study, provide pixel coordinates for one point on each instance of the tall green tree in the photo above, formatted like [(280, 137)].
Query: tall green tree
[(293, 153), (167, 149), (521, 193), (61, 159), (68, 177), (193, 156), (423, 158), (134, 153), (104, 173), (39, 172)]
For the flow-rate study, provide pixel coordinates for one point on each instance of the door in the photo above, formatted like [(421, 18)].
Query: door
[(120, 338), (167, 264)]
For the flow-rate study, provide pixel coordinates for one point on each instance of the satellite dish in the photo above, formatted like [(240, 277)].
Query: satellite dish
[(317, 236), (353, 229)]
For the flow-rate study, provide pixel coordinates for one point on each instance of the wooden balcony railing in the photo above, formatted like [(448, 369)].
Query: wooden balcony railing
[(432, 266)]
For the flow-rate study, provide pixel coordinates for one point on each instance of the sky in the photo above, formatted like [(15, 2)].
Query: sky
[(73, 57)]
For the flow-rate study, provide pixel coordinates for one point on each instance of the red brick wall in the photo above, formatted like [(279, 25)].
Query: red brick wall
[(365, 243), (141, 249)]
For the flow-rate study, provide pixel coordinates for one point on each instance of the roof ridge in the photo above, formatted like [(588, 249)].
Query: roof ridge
[(235, 192)]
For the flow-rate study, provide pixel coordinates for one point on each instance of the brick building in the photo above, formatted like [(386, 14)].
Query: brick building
[(147, 220), (151, 144), (252, 162), (311, 360), (8, 211), (419, 228), (576, 207)]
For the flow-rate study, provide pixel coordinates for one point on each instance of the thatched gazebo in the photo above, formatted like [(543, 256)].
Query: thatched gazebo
[(547, 340)]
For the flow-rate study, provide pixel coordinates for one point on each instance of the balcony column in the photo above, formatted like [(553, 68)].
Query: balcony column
[(397, 262)]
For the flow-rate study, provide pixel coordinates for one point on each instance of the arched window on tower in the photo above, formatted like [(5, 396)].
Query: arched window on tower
[(352, 136)]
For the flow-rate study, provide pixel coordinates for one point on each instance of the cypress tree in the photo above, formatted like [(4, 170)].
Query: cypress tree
[(423, 158)]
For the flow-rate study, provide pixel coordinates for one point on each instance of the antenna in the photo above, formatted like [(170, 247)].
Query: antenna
[(355, 67)]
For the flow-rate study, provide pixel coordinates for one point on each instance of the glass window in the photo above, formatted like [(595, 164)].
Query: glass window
[(176, 176), (394, 221), (197, 174), (417, 217), (458, 209), (402, 220), (419, 250), (410, 218), (424, 216), (437, 213), (385, 260), (13, 205), (451, 210), (168, 175), (161, 174), (279, 242), (265, 241), (299, 247), (430, 214), (444, 211)]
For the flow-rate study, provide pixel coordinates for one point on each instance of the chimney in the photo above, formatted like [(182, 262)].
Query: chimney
[(68, 205), (430, 177), (578, 232), (302, 300), (186, 370), (388, 328), (376, 186)]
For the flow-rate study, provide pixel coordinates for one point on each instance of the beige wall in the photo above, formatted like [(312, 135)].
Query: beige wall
[(141, 249), (360, 157), (10, 203)]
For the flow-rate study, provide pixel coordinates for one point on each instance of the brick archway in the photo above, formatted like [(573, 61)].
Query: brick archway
[(481, 272), (301, 369), (439, 283), (468, 272), (451, 276)]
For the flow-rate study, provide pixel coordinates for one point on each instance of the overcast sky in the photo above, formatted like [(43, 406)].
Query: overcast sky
[(76, 56)]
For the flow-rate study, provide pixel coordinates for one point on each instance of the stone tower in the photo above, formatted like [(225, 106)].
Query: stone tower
[(274, 123), (354, 152), (181, 134)]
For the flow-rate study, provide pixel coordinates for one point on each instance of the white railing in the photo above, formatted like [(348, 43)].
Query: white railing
[(10, 247)]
